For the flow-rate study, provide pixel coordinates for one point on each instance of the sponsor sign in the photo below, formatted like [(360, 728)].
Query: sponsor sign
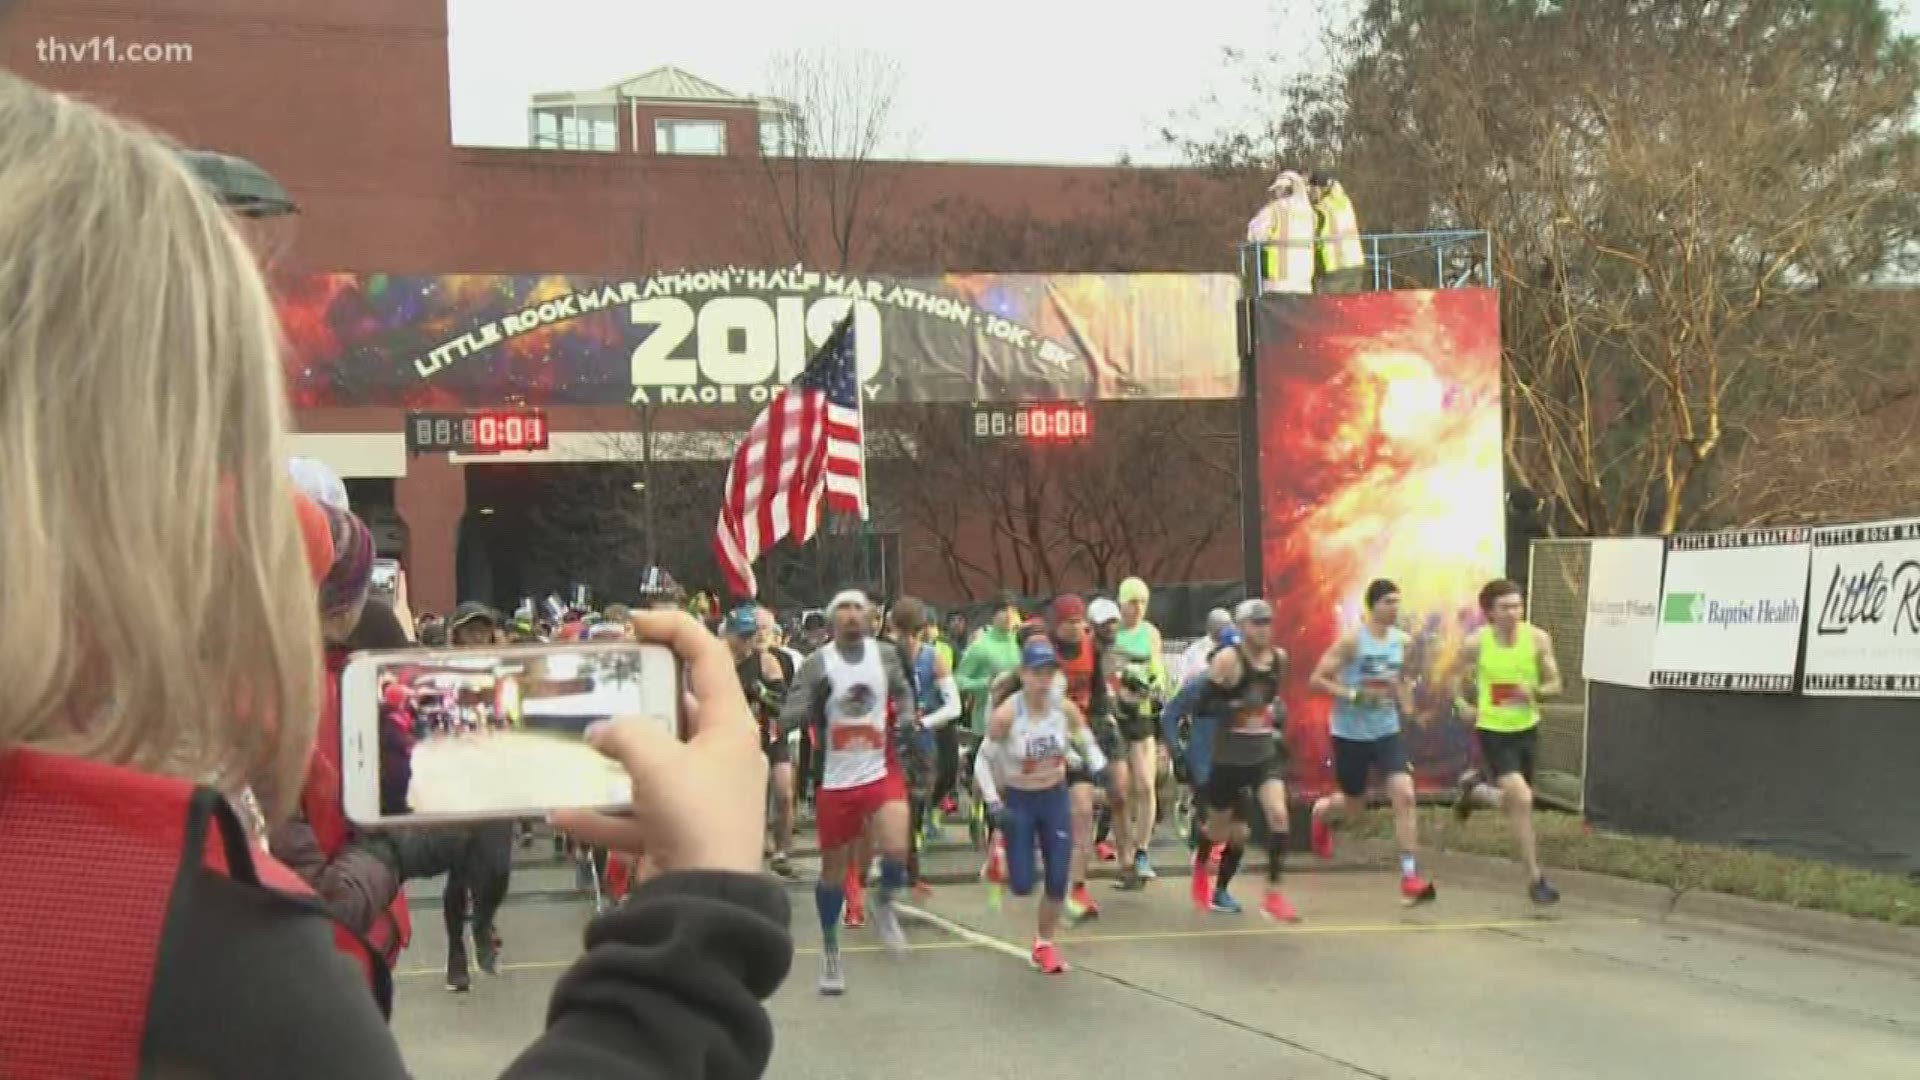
[(1623, 609), (1731, 609), (1863, 633)]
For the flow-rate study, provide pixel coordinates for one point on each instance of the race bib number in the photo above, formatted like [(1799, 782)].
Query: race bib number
[(1506, 693), (855, 737), (1255, 720)]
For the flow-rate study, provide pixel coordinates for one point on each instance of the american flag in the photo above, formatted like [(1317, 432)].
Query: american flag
[(809, 441)]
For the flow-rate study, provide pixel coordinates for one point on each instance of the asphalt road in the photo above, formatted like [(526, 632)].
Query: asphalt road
[(1477, 985)]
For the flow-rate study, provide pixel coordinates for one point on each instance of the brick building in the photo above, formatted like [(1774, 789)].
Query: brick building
[(346, 104)]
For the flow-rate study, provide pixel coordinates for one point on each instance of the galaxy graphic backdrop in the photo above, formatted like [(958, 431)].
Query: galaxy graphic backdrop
[(730, 335), (1379, 433)]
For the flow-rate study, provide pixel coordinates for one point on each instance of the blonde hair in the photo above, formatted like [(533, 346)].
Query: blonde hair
[(159, 613)]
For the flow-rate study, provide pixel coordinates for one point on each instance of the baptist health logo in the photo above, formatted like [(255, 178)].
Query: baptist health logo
[(1694, 608)]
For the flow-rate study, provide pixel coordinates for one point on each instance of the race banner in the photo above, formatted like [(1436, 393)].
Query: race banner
[(1623, 609), (1731, 607), (1863, 636), (734, 336)]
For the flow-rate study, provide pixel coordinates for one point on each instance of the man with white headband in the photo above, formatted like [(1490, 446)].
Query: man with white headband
[(854, 693)]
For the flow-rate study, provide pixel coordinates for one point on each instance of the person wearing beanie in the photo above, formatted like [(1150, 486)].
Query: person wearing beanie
[(343, 592), (1140, 642)]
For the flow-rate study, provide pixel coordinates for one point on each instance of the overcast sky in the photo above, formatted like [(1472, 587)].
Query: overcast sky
[(1000, 80)]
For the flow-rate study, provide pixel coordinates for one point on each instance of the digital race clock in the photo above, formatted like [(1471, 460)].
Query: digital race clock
[(1052, 422), (484, 431)]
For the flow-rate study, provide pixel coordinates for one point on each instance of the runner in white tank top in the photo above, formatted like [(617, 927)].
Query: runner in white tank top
[(852, 692), (1032, 735)]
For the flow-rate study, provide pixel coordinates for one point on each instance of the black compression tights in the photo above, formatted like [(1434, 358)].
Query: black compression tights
[(916, 822), (1229, 866), (1276, 855)]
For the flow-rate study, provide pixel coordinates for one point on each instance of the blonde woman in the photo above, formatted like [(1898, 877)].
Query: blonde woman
[(162, 665)]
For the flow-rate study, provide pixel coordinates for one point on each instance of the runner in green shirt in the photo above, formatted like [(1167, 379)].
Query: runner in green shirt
[(990, 655), (1508, 666), (1139, 640)]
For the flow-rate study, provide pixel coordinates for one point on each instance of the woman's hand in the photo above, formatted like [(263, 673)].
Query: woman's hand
[(698, 804)]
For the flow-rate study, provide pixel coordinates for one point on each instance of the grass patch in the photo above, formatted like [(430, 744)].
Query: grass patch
[(1567, 843)]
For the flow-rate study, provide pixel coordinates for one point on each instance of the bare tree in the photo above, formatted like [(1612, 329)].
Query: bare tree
[(1690, 201), (1155, 489), (829, 120), (1130, 220)]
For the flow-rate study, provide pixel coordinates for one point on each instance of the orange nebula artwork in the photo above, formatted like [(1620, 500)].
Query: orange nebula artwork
[(1379, 437)]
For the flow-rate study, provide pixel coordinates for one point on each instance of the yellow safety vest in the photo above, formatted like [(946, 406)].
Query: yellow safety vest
[(1287, 256), (1339, 233)]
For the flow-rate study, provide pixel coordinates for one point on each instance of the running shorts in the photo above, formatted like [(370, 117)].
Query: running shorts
[(1354, 759), (1136, 727), (774, 745), (1508, 752), (1236, 787), (1043, 818), (840, 815)]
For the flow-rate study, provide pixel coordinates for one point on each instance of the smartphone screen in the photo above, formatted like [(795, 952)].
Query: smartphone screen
[(386, 575), (493, 732)]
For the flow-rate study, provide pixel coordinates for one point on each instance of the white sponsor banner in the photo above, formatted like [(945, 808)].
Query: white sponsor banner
[(1731, 610), (1623, 609), (1863, 617)]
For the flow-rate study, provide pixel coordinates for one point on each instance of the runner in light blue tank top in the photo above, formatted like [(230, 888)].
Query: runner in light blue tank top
[(1374, 668), (1366, 675)]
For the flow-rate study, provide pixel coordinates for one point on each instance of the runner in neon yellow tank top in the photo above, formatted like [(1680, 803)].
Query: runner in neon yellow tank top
[(1140, 639), (1508, 666)]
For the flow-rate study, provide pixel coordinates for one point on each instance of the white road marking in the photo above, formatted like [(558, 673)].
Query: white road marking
[(965, 933)]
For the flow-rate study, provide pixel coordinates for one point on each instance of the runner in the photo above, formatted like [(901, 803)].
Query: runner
[(1245, 781), (993, 653), (1189, 734), (1194, 660), (1140, 641), (1032, 734), (1084, 680), (938, 700), (1365, 673), (764, 679), (843, 691), (1511, 666)]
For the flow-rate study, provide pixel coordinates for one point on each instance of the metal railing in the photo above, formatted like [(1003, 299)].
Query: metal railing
[(1438, 259)]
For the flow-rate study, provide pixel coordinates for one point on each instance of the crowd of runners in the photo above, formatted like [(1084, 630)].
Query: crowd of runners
[(1071, 736)]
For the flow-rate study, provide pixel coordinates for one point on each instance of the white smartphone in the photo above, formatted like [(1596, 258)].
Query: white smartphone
[(494, 732)]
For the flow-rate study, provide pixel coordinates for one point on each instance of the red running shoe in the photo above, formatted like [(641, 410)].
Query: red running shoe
[(1201, 889), (1047, 959), (1278, 908), (1081, 902), (1104, 852), (1415, 889), (1322, 837)]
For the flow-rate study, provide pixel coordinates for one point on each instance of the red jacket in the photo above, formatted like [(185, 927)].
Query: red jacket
[(320, 805), (100, 872)]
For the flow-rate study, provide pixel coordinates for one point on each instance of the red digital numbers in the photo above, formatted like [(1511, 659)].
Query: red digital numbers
[(508, 432), (1068, 422)]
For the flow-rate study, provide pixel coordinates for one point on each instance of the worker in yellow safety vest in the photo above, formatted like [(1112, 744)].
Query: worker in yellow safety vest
[(1343, 261), (1283, 229)]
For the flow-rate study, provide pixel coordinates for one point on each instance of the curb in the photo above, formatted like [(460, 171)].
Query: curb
[(1707, 910)]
